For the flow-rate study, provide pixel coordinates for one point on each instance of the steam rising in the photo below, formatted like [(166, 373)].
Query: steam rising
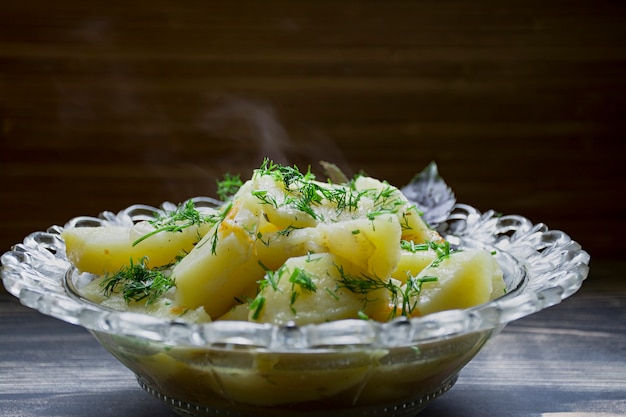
[(175, 142), (249, 126), (235, 134)]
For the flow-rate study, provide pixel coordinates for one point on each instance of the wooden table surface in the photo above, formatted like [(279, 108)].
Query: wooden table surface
[(566, 361)]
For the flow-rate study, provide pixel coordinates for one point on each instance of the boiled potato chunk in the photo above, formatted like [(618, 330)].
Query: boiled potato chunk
[(412, 263), (286, 248), (214, 277), (163, 307), (413, 226), (268, 195), (464, 279), (321, 301), (101, 250), (371, 244), (274, 246), (238, 313)]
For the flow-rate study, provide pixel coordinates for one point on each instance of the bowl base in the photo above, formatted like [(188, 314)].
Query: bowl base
[(401, 409)]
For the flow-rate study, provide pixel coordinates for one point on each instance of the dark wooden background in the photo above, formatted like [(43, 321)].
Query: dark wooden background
[(521, 103)]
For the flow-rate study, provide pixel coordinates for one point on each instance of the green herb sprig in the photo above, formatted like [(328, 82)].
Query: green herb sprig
[(228, 186), (184, 216), (304, 282), (216, 220), (403, 298), (442, 249), (256, 306), (303, 193), (138, 282)]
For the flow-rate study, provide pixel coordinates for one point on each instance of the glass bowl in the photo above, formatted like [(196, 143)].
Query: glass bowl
[(342, 368)]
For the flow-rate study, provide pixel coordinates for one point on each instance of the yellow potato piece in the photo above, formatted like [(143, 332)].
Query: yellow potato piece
[(270, 200), (412, 263), (281, 223), (290, 302), (373, 245), (274, 246), (238, 313), (215, 278), (465, 279), (413, 226), (100, 250), (163, 307)]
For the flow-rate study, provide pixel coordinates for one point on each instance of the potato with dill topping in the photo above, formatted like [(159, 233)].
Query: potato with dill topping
[(463, 279), (381, 194), (221, 267), (259, 228), (308, 289), (367, 243), (101, 250), (354, 250)]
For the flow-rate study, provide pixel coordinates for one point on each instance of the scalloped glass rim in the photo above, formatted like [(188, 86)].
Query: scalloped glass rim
[(549, 267)]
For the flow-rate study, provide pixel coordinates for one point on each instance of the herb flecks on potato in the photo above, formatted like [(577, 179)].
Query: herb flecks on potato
[(286, 247)]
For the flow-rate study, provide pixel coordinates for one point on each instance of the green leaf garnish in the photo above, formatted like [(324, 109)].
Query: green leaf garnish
[(184, 216), (228, 186), (402, 297), (137, 282), (257, 306)]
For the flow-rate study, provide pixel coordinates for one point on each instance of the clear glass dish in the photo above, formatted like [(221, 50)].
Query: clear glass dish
[(343, 368)]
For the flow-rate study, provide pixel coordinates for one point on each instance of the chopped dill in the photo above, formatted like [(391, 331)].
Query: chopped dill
[(259, 236), (265, 198), (373, 214), (412, 289), (271, 277), (363, 284), (287, 230), (184, 216), (442, 250), (300, 278), (303, 193), (403, 297), (228, 186), (137, 282), (257, 306), (413, 247), (332, 293), (361, 315)]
